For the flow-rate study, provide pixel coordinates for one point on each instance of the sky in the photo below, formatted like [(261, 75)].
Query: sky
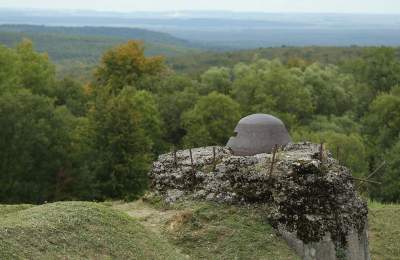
[(314, 6)]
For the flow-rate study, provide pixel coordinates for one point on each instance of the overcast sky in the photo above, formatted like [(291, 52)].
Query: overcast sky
[(331, 6)]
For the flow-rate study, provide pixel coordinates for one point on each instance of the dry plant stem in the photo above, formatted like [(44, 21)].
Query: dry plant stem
[(362, 185), (191, 160), (175, 159), (363, 180), (214, 158), (273, 159), (321, 152), (376, 170), (338, 154)]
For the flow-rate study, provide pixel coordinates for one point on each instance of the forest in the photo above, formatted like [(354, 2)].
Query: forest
[(77, 50), (67, 139)]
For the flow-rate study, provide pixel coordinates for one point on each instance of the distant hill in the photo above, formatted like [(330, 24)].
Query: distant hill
[(234, 30), (123, 33), (81, 47)]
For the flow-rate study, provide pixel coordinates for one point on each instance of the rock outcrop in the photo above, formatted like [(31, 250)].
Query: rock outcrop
[(311, 198)]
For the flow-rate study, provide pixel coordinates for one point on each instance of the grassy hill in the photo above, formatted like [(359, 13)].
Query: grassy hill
[(212, 231), (151, 230), (77, 230)]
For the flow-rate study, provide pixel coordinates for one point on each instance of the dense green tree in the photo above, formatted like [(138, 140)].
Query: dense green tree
[(380, 68), (75, 180), (34, 142), (120, 144), (41, 152), (363, 95), (24, 68), (247, 87), (9, 68), (71, 94), (150, 118), (35, 70), (382, 123), (216, 79), (330, 89), (270, 87), (211, 121), (177, 96), (389, 190), (343, 124), (377, 70), (127, 65)]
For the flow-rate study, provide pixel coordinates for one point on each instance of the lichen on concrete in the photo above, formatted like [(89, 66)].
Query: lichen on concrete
[(309, 195)]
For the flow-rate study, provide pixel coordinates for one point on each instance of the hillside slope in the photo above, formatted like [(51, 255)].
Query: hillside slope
[(120, 32), (204, 230), (80, 230), (214, 231), (187, 230), (77, 230)]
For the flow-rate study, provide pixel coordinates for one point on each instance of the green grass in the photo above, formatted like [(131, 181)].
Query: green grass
[(153, 230), (214, 231), (384, 231), (7, 209), (77, 230)]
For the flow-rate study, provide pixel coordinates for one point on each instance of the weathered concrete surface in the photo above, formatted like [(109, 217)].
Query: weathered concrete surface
[(258, 133), (356, 248), (312, 203)]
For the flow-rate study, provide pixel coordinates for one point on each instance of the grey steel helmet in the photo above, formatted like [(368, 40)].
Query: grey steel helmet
[(258, 133)]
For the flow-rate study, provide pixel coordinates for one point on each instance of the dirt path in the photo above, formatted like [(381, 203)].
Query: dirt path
[(150, 217), (153, 219)]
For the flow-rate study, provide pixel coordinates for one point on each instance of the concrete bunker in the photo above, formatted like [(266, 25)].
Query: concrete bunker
[(258, 133), (310, 201)]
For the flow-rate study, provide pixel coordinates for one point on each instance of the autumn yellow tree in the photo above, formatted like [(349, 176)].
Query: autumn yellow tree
[(127, 65)]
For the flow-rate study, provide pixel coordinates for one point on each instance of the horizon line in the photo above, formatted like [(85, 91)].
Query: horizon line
[(193, 11)]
